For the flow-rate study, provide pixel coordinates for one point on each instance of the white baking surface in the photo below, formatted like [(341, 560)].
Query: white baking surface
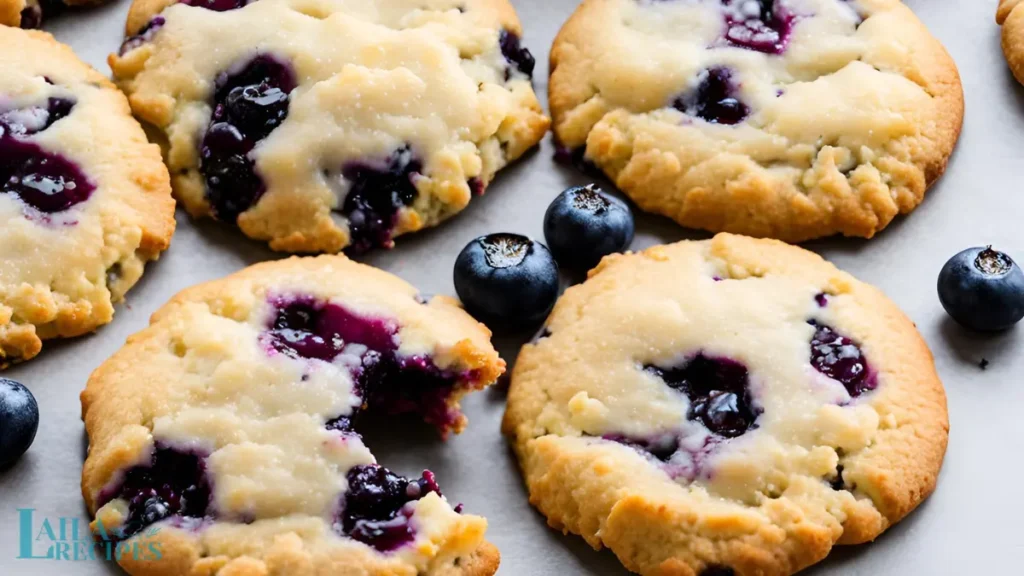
[(969, 526)]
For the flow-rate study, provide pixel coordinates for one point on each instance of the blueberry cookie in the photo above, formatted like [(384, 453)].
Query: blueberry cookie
[(792, 119), (226, 432), (324, 124), (726, 407), (85, 200), (31, 13), (1012, 21)]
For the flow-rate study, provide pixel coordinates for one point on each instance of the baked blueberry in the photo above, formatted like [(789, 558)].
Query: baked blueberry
[(982, 289), (144, 35), (32, 119), (248, 105), (719, 393), (515, 54), (373, 506), (19, 420), (217, 5), (376, 192), (45, 181), (762, 25), (507, 279), (387, 382), (841, 359), (584, 224), (172, 483), (715, 98)]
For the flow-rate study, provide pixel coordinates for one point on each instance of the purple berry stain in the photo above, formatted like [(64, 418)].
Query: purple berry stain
[(714, 99), (248, 104), (144, 35), (374, 509), (304, 328), (761, 25), (174, 484), (375, 194), (839, 358), (718, 390)]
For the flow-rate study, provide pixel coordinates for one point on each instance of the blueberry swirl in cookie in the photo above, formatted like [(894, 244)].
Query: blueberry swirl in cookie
[(228, 431), (790, 119), (84, 198), (732, 406), (322, 125)]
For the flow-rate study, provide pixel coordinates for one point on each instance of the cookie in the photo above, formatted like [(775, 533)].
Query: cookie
[(1012, 21), (225, 435), (85, 200), (727, 407), (324, 124), (31, 13), (791, 119)]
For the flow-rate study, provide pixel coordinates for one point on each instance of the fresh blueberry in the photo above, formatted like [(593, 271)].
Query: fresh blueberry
[(715, 98), (983, 289), (507, 279), (584, 224), (19, 420), (719, 393)]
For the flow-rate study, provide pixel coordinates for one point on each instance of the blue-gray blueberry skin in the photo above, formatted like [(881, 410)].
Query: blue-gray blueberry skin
[(982, 289), (584, 224), (19, 421), (507, 280)]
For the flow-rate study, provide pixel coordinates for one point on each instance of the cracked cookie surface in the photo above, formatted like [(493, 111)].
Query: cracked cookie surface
[(732, 406), (791, 119), (320, 125), (85, 200), (227, 431)]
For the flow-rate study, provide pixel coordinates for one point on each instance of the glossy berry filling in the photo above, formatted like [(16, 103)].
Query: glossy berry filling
[(516, 54), (218, 5), (376, 192), (839, 358), (144, 35), (33, 119), (374, 508), (368, 347), (715, 98), (45, 181), (248, 104), (173, 485), (761, 25), (719, 393)]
